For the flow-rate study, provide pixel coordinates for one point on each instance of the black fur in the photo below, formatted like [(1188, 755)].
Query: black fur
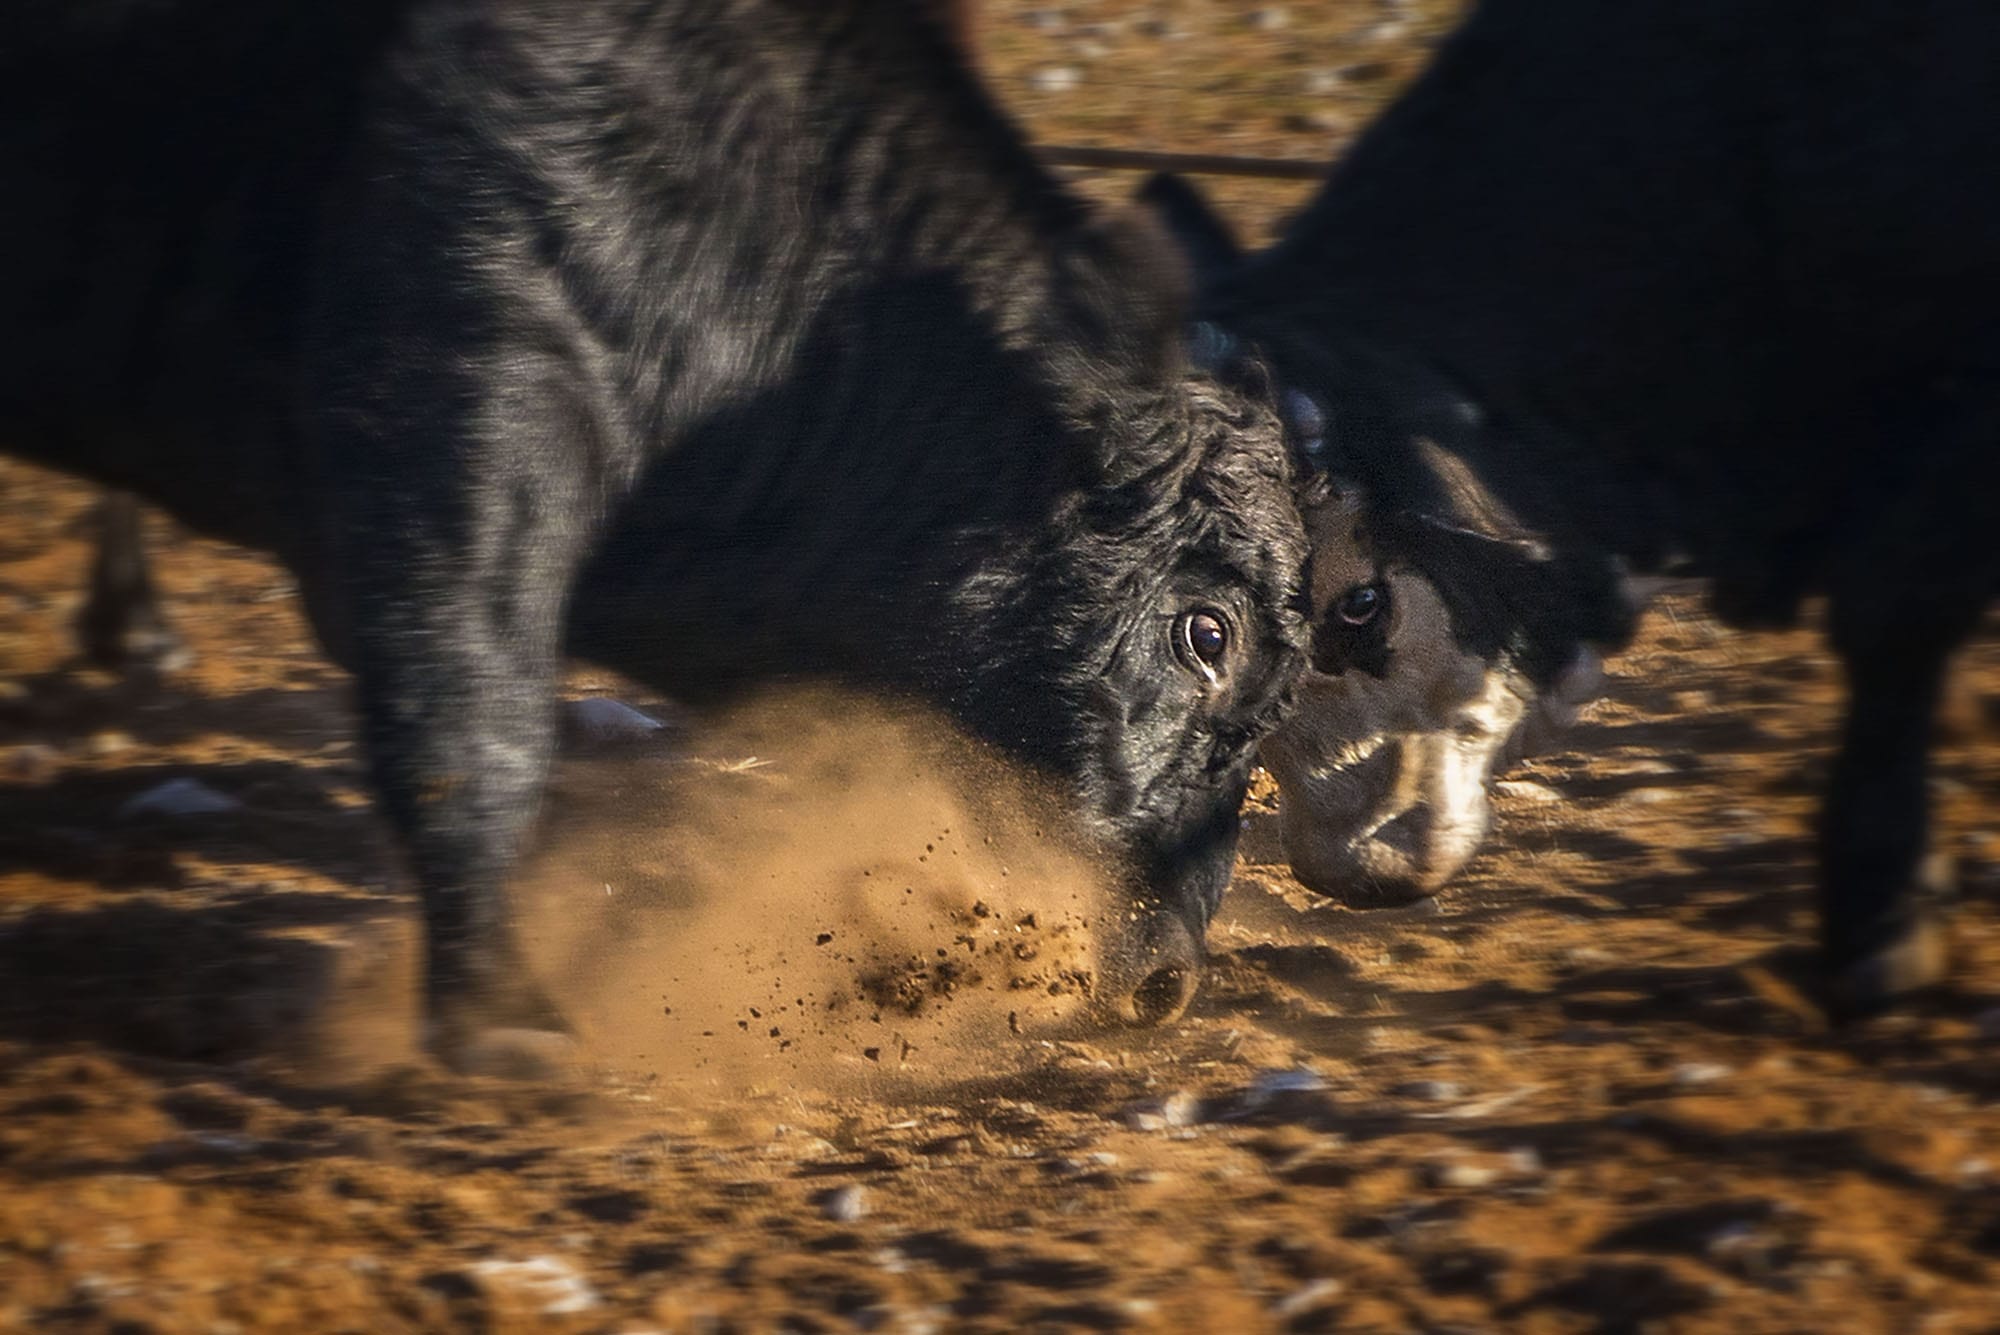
[(726, 342), (1721, 278)]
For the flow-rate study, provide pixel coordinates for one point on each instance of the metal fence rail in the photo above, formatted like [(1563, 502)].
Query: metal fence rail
[(1194, 164)]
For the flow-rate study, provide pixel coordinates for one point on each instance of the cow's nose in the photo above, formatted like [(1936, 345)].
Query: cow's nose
[(1371, 872), (1154, 975), (1409, 835), (1163, 995)]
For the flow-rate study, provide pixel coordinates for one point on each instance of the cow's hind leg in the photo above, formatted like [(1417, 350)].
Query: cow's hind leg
[(121, 624), (1907, 590), (1880, 942)]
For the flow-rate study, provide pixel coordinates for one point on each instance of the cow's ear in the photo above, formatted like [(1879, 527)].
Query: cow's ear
[(1204, 237), (1123, 285), (1457, 500), (1537, 606), (1510, 589)]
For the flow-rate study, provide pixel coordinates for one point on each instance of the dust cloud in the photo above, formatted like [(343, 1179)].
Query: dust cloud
[(813, 890)]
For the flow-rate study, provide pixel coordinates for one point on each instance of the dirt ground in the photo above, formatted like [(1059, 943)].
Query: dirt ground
[(1584, 1091)]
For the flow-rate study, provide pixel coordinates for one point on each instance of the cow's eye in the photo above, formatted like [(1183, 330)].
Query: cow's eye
[(1203, 641), (1361, 604)]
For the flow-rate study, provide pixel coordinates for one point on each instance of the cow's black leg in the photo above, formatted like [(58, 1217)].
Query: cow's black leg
[(459, 715), (1879, 941), (1907, 589), (121, 624), (461, 783), (454, 617)]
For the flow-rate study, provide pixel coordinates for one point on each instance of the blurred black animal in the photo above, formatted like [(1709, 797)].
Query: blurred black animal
[(1676, 287), (725, 343)]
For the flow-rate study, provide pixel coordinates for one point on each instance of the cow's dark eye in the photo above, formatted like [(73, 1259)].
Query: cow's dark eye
[(1203, 641), (1361, 604)]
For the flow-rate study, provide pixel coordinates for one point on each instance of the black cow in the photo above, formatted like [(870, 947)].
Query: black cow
[(1702, 286), (725, 343)]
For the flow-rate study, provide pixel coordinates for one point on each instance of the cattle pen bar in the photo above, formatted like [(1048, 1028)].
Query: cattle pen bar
[(1193, 164)]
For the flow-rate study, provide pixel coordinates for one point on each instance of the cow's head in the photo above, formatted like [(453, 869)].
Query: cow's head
[(1033, 512), (1142, 640), (1447, 639), (1383, 768)]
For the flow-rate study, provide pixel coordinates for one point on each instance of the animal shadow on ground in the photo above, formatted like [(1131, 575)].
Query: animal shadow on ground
[(203, 935), (68, 707), (211, 983)]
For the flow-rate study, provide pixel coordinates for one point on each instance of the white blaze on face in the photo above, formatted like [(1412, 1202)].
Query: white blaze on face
[(1460, 759)]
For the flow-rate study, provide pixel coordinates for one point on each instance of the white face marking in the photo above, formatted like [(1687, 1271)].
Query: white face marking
[(1465, 760)]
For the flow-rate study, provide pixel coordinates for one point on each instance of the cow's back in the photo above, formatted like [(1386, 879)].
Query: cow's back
[(1885, 201), (163, 165), (1717, 243)]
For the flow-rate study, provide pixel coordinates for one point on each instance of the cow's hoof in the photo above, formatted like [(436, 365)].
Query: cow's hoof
[(509, 1031), (161, 652), (512, 1054), (1917, 959), (146, 647)]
